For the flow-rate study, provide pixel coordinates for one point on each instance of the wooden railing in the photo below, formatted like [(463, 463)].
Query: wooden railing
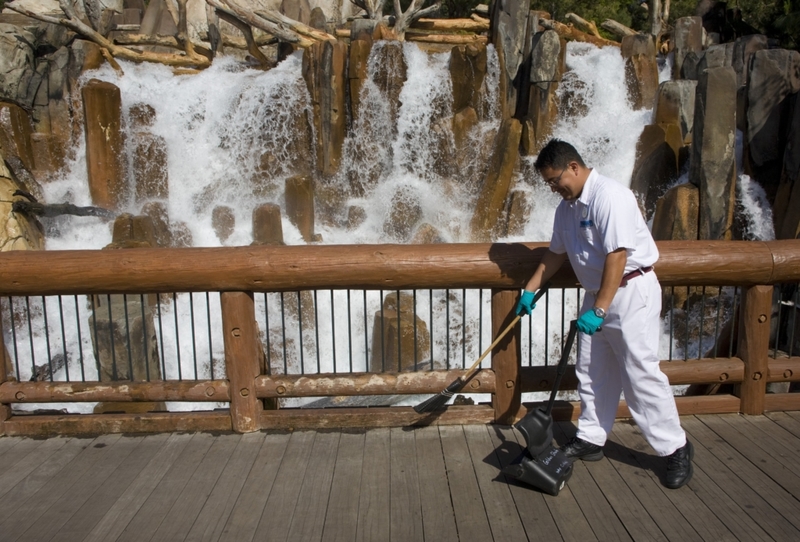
[(239, 272)]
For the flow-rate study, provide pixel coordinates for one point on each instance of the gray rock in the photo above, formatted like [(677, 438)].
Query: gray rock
[(16, 63), (675, 105)]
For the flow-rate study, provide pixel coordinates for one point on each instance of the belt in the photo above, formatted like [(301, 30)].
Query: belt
[(633, 274)]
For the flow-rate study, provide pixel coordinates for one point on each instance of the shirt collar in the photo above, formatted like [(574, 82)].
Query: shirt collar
[(588, 188)]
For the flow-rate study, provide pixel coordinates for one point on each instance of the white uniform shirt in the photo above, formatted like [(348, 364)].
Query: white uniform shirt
[(604, 218)]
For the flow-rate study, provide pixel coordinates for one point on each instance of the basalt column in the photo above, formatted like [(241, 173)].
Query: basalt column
[(326, 79), (641, 69), (547, 60), (713, 161), (509, 23), (102, 109), (656, 164), (688, 36)]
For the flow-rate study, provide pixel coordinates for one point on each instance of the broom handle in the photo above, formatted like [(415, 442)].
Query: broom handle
[(472, 370)]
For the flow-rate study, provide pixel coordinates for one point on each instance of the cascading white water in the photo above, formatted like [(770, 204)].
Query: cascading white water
[(220, 125)]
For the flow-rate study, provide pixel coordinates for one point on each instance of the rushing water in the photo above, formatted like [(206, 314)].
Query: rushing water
[(230, 134)]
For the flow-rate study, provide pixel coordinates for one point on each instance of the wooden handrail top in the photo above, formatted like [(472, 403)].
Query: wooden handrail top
[(308, 267)]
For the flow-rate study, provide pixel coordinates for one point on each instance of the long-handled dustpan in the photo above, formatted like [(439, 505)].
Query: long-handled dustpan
[(438, 401), (543, 466)]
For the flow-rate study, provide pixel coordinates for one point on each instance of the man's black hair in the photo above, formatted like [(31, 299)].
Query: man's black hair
[(557, 154)]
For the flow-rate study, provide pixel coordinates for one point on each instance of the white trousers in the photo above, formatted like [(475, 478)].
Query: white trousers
[(623, 357)]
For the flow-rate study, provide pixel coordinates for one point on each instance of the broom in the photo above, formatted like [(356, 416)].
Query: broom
[(437, 401)]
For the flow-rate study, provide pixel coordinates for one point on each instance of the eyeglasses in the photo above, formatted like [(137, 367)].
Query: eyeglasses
[(555, 180)]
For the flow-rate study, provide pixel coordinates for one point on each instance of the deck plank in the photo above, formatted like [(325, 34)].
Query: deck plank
[(308, 520), (153, 510), (57, 513), (405, 516), (32, 461), (775, 440), (471, 519), (373, 507), (531, 504), (252, 499), (92, 511), (734, 474), (633, 515), (504, 519), (186, 509), (128, 504), (693, 511), (788, 422), (217, 508), (40, 476), (438, 521), (16, 455), (341, 519), (279, 509)]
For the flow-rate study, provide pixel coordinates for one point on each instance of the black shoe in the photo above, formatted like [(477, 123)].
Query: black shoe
[(578, 448), (679, 467)]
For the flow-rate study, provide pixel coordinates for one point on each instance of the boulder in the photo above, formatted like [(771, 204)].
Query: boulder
[(404, 214), (427, 234), (223, 220), (463, 122), (400, 338), (16, 64), (156, 211), (713, 161)]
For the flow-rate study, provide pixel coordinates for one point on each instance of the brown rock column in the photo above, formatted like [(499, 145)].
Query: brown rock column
[(641, 69), (677, 214), (357, 71), (688, 36), (299, 195), (492, 197), (15, 134), (656, 164), (102, 109), (675, 105), (713, 161), (267, 226), (324, 73)]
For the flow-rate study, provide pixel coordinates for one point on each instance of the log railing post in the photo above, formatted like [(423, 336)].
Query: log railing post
[(242, 358), (505, 358), (753, 347)]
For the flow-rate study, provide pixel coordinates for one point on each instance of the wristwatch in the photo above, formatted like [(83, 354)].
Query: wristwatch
[(600, 313)]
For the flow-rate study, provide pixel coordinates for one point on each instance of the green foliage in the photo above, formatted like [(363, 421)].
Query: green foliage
[(779, 19), (458, 9)]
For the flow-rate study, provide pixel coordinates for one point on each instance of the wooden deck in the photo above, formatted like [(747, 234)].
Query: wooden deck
[(435, 483)]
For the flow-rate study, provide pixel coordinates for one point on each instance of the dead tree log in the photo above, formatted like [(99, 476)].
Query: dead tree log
[(58, 209), (586, 26), (571, 33), (404, 19), (374, 8), (190, 58), (618, 29), (254, 20), (244, 28)]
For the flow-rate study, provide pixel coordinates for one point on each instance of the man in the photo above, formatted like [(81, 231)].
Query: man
[(598, 225)]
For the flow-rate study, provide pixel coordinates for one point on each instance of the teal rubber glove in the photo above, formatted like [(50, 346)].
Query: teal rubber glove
[(589, 322), (525, 305)]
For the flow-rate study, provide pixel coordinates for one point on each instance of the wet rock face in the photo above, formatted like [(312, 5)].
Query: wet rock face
[(641, 69), (467, 72), (404, 214), (16, 63), (17, 231), (677, 214), (223, 221), (675, 104), (656, 164)]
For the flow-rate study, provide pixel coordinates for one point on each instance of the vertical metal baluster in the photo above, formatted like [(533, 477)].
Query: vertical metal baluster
[(733, 315), (366, 334), (13, 334), (383, 337), (463, 327), (95, 338), (333, 331), (671, 318), (80, 338), (114, 375), (399, 334), (480, 320), (686, 346), (430, 309), (144, 338), (716, 323), (530, 340), (447, 325), (546, 327), (795, 300), (266, 327), (63, 338), (414, 324), (47, 337), (300, 329), (349, 331), (177, 333), (210, 346), (194, 335), (128, 336), (162, 354), (563, 314), (702, 322), (316, 331), (283, 334)]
